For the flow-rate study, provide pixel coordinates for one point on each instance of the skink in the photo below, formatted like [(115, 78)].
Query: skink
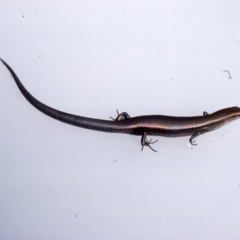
[(160, 125)]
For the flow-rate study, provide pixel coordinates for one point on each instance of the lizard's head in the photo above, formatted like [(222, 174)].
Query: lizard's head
[(234, 112)]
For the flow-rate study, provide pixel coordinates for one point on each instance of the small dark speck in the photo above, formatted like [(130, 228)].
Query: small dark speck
[(73, 179), (75, 215), (23, 15), (49, 189), (114, 161)]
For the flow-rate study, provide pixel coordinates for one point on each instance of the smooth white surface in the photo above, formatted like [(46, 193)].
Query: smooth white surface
[(91, 58)]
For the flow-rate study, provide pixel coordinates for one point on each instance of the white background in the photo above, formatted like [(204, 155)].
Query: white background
[(90, 58)]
